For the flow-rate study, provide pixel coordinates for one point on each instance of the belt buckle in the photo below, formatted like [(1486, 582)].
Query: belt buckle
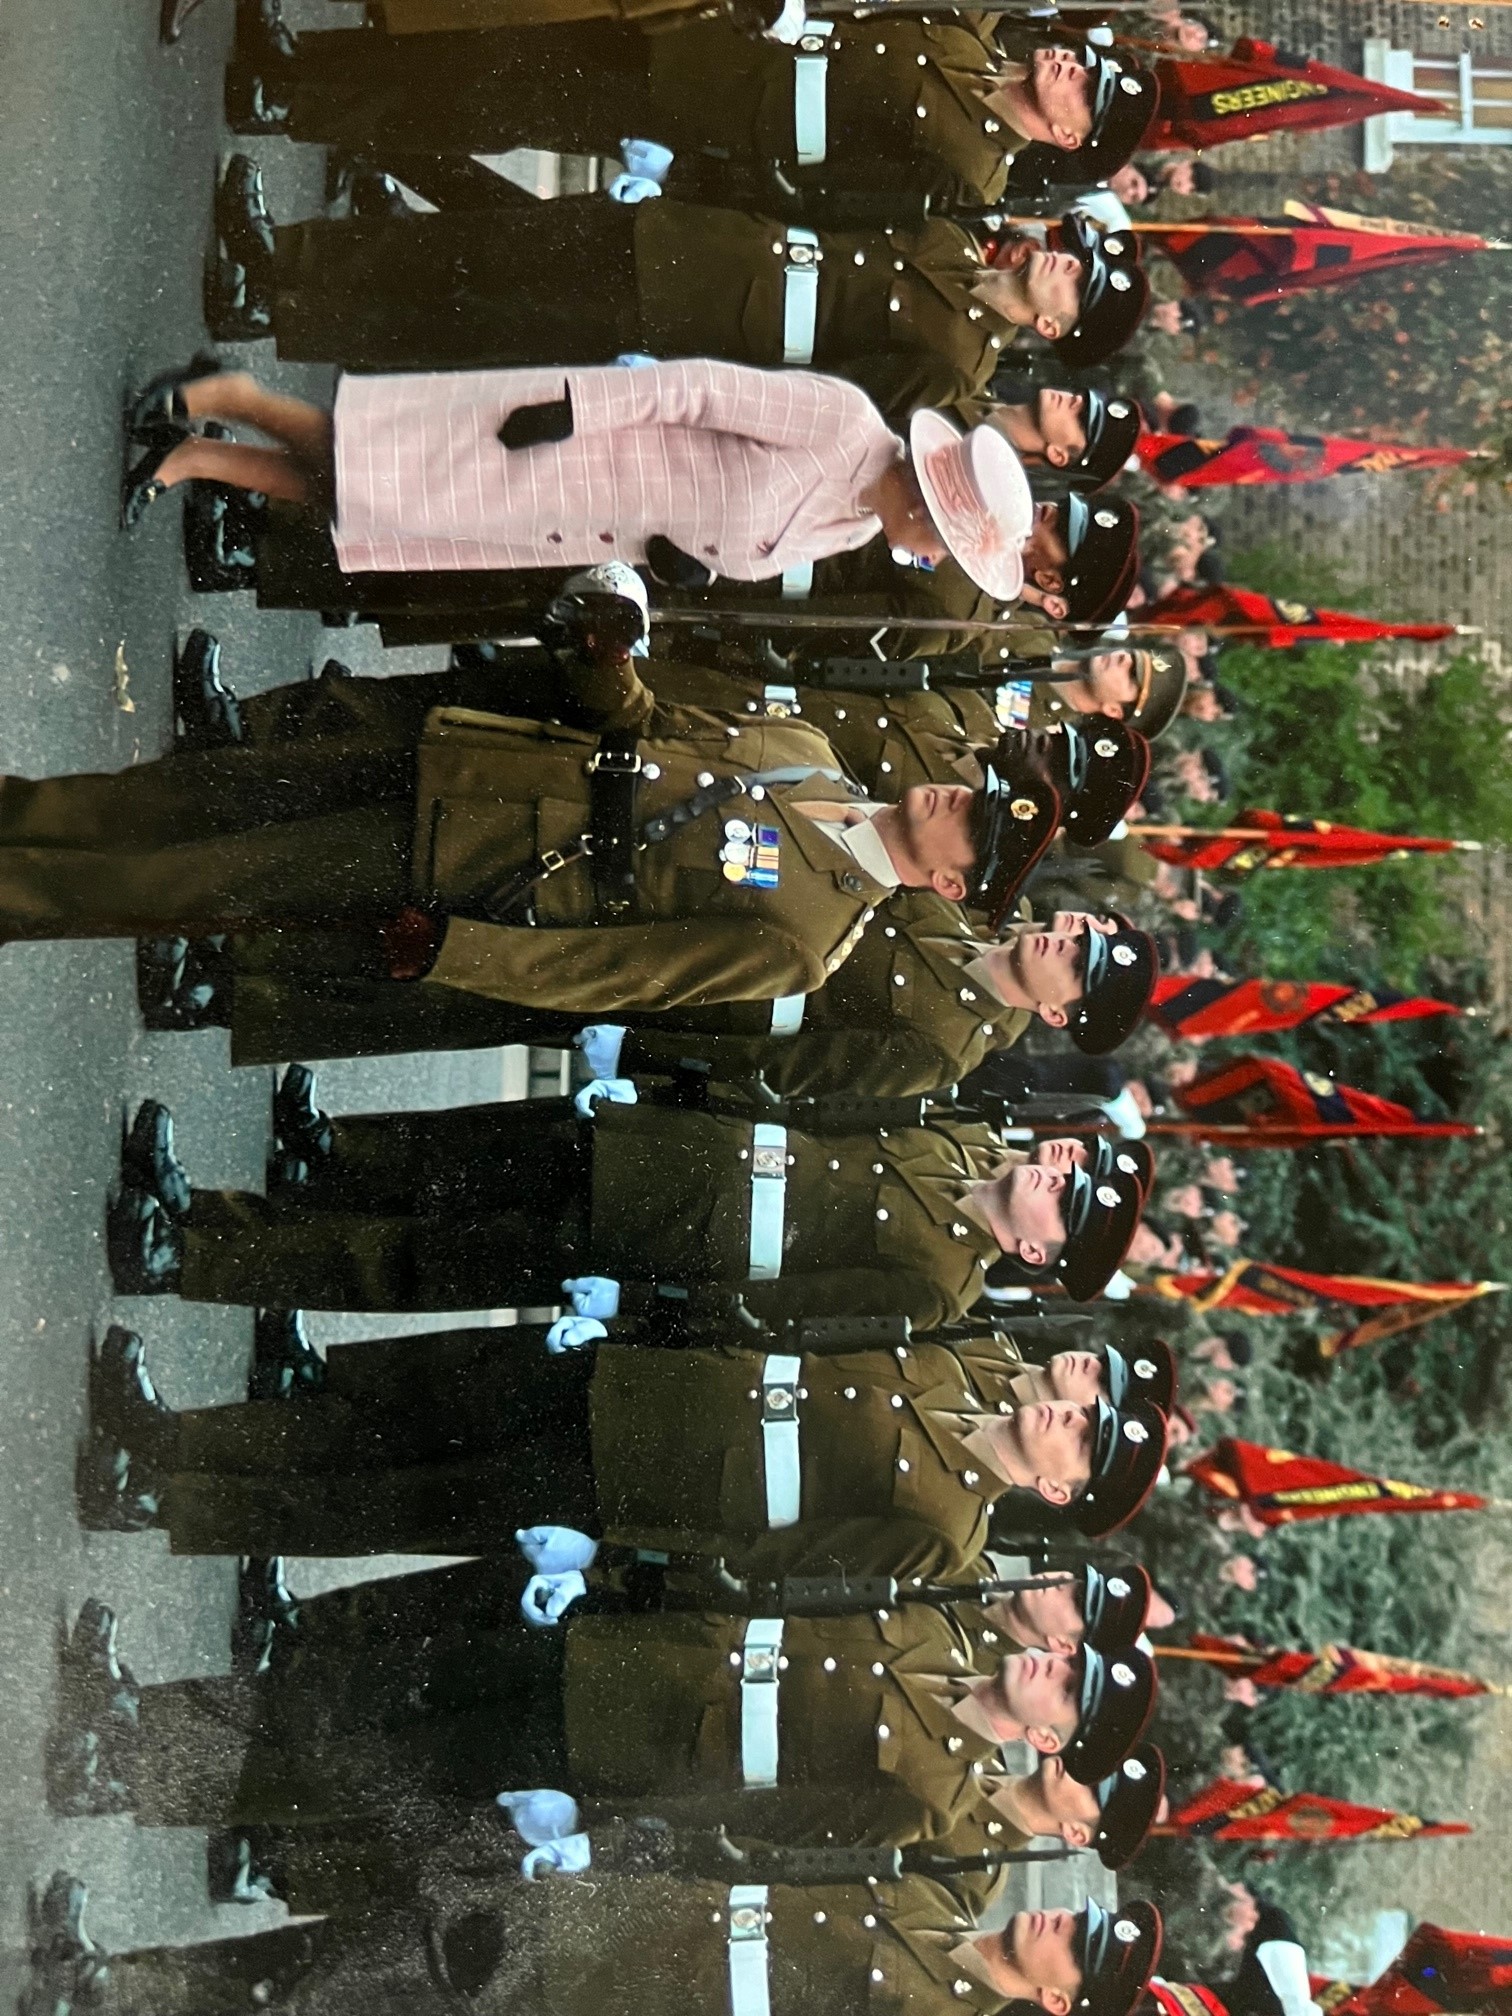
[(759, 1663), (801, 255), (768, 1161), (747, 1921), (779, 1403), (615, 763)]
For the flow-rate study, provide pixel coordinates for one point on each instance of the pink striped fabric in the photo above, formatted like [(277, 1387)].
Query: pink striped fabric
[(750, 471)]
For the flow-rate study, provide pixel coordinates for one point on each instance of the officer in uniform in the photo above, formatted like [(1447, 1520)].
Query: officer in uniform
[(495, 1206), (642, 1946), (912, 315), (1112, 1818), (827, 1450), (925, 109)]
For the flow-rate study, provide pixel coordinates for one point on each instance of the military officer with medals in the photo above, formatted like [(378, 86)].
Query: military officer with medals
[(925, 108), (637, 1946)]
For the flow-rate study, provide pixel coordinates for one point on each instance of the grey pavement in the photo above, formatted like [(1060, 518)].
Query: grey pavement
[(108, 151)]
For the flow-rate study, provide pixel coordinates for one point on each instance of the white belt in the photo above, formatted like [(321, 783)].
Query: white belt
[(800, 287), (768, 1200), (787, 1014), (810, 95), (779, 1438), (749, 1992), (798, 581), (761, 1649)]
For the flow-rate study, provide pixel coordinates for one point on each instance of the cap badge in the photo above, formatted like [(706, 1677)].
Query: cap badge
[(1125, 1931), (1134, 1771), (1117, 410), (1024, 808), (1106, 519), (1113, 247), (1136, 1431), (1107, 1196), (1126, 1165), (1144, 1368), (1117, 1586), (1120, 282), (1124, 955), (1105, 746), (1121, 1675), (1129, 84)]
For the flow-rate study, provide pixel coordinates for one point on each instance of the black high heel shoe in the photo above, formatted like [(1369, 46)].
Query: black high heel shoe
[(141, 486), (159, 409)]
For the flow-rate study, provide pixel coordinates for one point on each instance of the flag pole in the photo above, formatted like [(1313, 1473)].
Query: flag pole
[(1143, 831)]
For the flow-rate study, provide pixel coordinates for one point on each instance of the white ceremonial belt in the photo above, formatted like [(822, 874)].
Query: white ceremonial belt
[(779, 1438), (750, 1994), (811, 95), (798, 581), (761, 1649), (768, 1200), (800, 288), (787, 1014)]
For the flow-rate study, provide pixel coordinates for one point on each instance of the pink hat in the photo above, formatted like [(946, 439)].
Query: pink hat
[(978, 497)]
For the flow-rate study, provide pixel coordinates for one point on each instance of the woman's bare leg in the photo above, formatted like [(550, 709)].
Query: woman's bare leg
[(238, 397), (274, 471)]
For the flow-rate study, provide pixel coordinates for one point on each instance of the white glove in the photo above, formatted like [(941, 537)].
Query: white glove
[(600, 1043), (648, 158), (789, 27), (1125, 1115), (618, 1091), (593, 1295), (548, 1598), (554, 1549), (633, 189), (568, 1855), (573, 1333), (1119, 1288)]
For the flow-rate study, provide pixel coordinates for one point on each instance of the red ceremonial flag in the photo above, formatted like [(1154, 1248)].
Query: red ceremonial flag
[(1280, 1488), (1261, 258), (1335, 1669), (1250, 1810), (1249, 455), (1283, 840), (1196, 1009), (1254, 1288), (1264, 1102), (1267, 619), (1436, 1971), (1258, 88)]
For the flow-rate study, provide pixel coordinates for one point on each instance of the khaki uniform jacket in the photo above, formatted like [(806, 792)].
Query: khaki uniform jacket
[(872, 1222), (867, 1748), (887, 1488), (904, 103), (901, 1016), (493, 793), (895, 311)]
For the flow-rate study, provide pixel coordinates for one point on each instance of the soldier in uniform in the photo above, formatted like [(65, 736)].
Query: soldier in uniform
[(932, 109), (913, 316), (638, 1946), (496, 1206), (880, 1459)]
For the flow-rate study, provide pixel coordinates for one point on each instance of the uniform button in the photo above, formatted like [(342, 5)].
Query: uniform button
[(881, 48), (878, 1168), (967, 994), (819, 1917), (782, 1663), (850, 1394), (989, 1637), (652, 770), (952, 1744), (986, 1028), (958, 1230), (884, 768), (859, 257), (994, 342), (882, 1215), (994, 1828), (876, 1973), (704, 779), (839, 713), (868, 1921), (778, 246), (897, 1400), (889, 930), (989, 126), (867, 916), (883, 1615), (960, 1987), (878, 1668), (974, 314), (881, 720), (978, 1768), (900, 979), (957, 1655), (733, 733), (829, 1665), (883, 1732), (922, 61), (791, 1160), (971, 1476), (744, 1154), (903, 1465), (897, 265), (1005, 1406), (920, 111), (900, 1354), (895, 304), (734, 1658), (715, 1917), (834, 1162)]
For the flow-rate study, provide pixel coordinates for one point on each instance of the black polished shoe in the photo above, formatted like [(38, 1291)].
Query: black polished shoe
[(183, 983), (96, 1683), (253, 101), (371, 193), (232, 1871), (206, 713), (242, 221), (285, 1364), (158, 410), (172, 15), (62, 1958), (149, 1163), (236, 304), (221, 529), (141, 486), (124, 1405), (263, 37), (144, 1245), (266, 1614), (113, 1491), (298, 1123)]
